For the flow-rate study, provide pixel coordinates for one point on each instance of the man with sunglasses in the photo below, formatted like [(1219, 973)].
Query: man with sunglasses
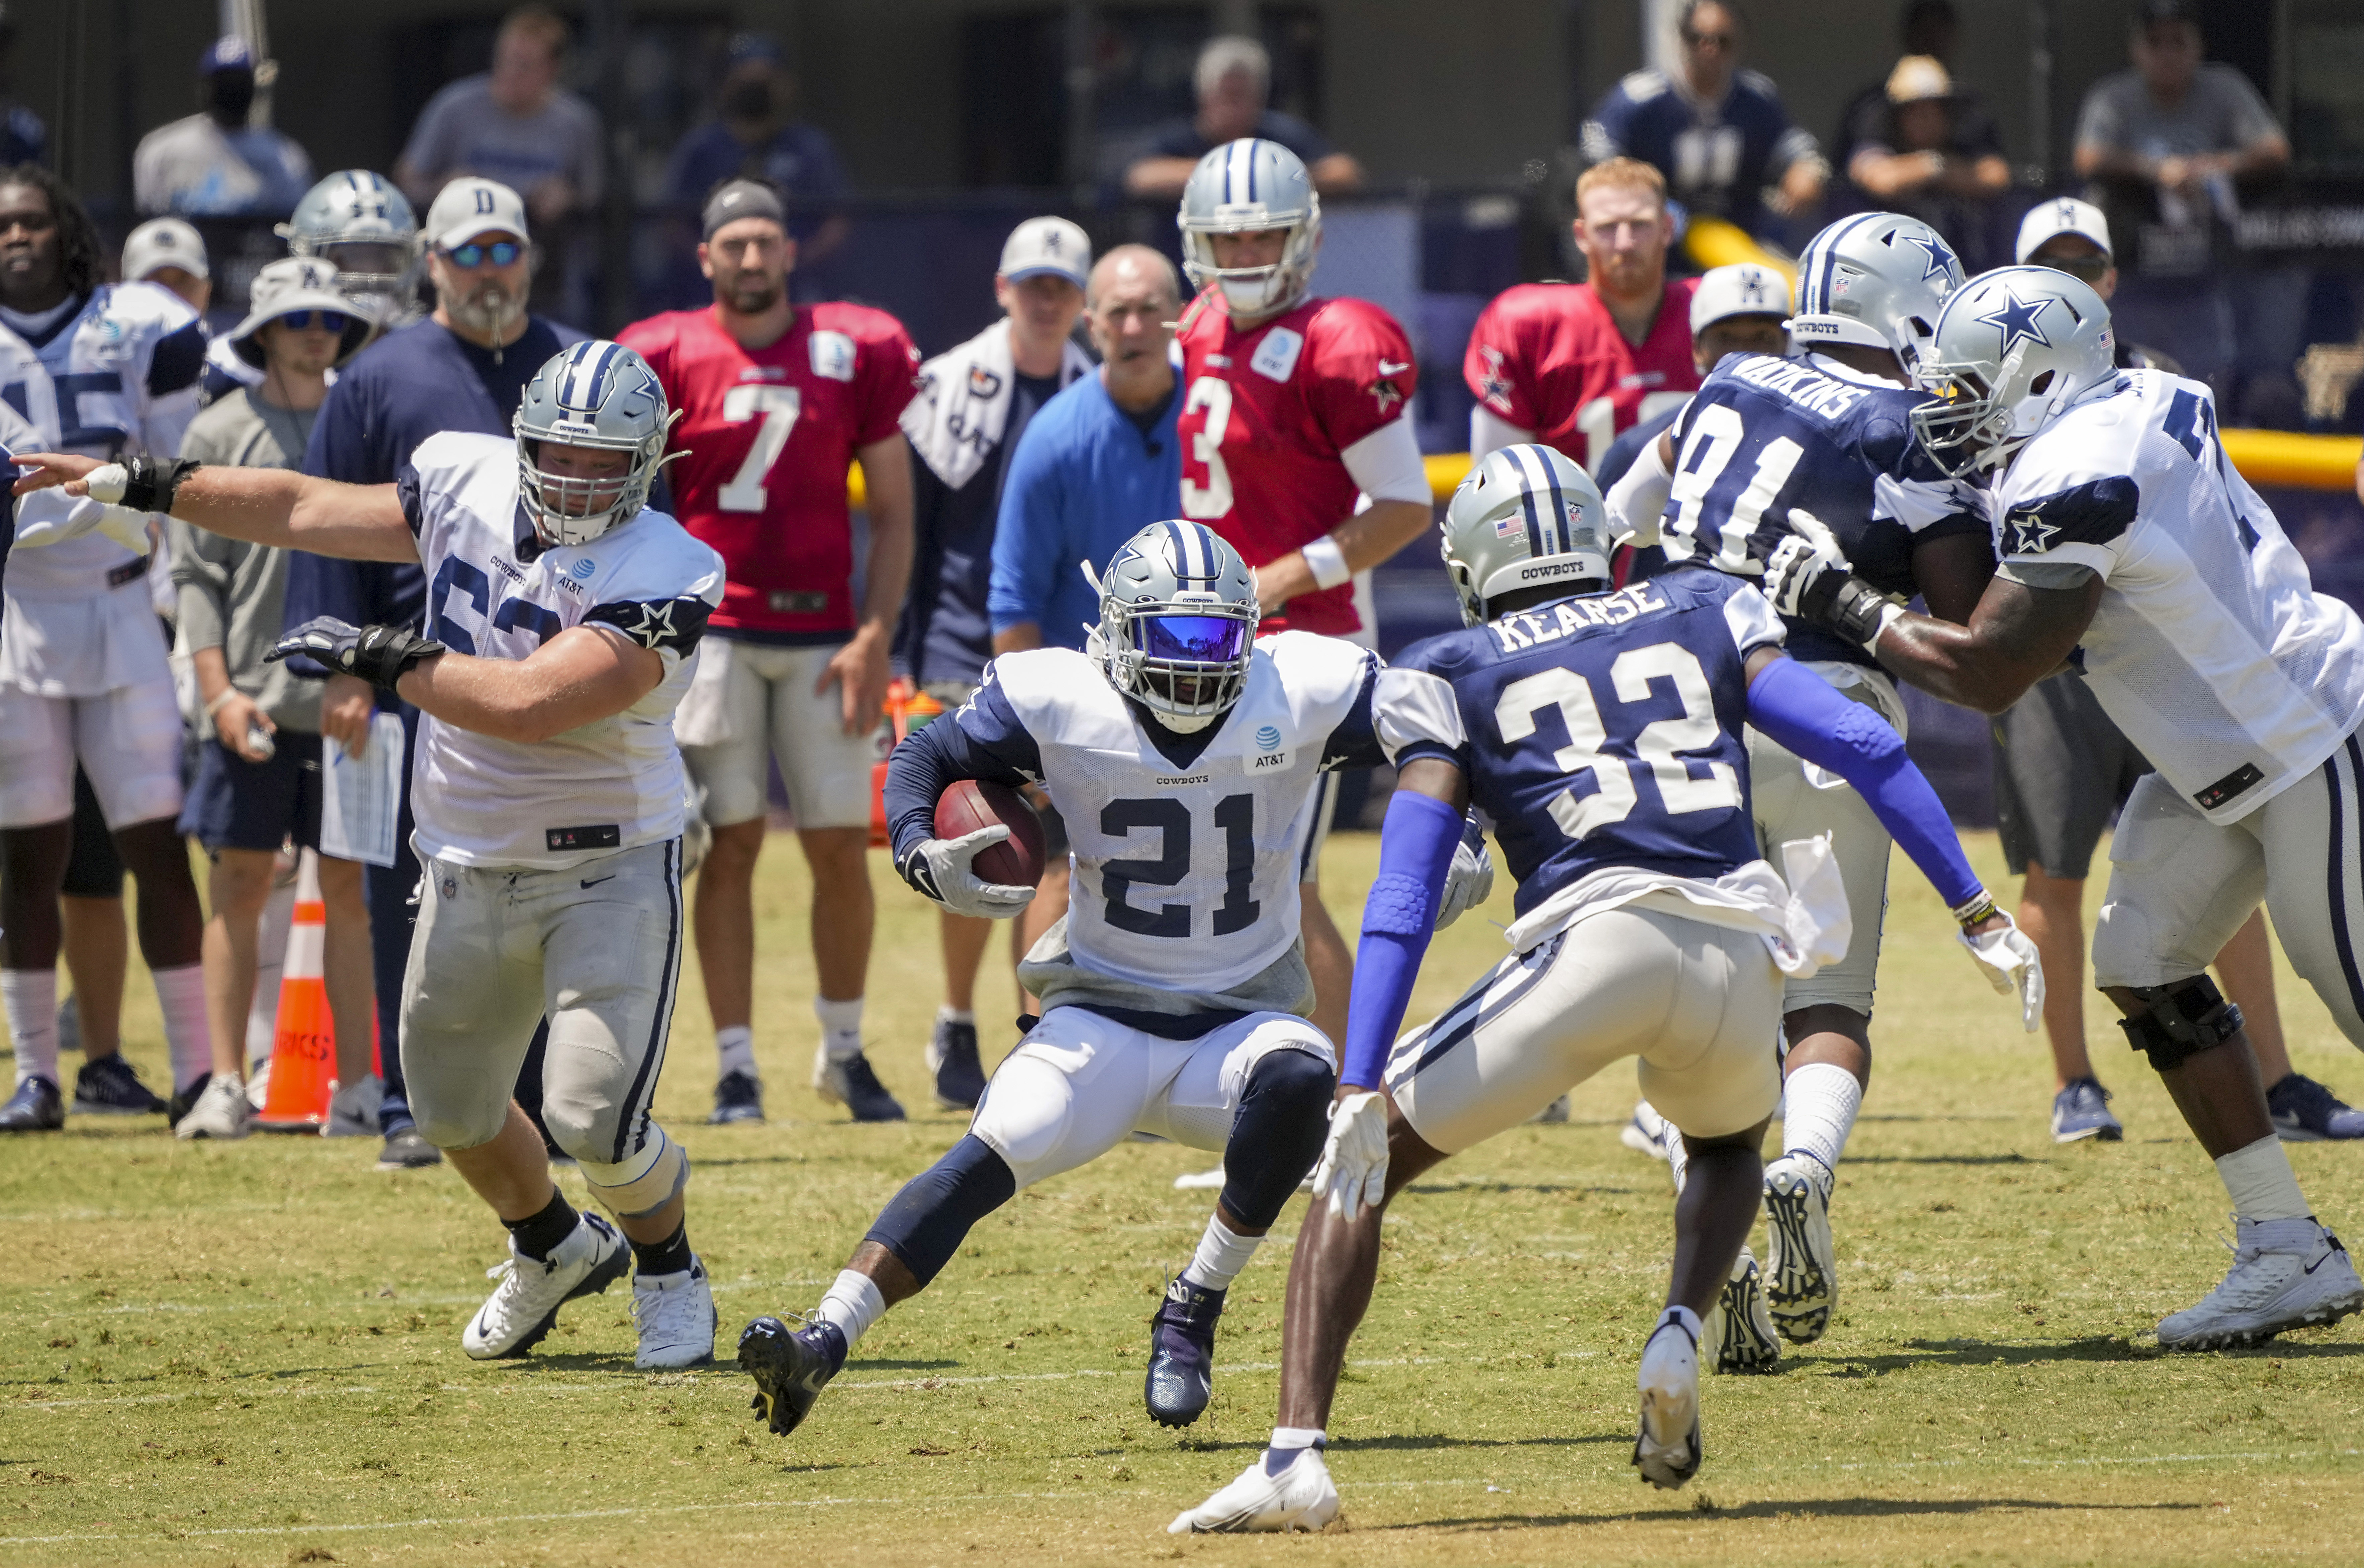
[(465, 367)]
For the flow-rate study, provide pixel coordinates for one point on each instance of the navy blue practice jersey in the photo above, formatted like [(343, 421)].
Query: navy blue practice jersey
[(1597, 731), (1770, 446)]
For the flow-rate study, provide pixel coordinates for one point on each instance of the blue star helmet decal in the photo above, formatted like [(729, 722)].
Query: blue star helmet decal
[(2016, 319), (1941, 260)]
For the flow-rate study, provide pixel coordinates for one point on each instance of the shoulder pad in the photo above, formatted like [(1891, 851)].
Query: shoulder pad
[(1757, 83), (1640, 87)]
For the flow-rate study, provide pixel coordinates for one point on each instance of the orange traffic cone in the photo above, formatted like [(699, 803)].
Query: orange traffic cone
[(303, 1053)]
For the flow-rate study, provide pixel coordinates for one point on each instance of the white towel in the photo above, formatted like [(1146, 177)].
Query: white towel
[(964, 403)]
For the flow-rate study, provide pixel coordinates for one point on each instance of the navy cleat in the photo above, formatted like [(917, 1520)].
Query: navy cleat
[(790, 1367), (2081, 1110), (738, 1096), (851, 1082), (108, 1086), (1182, 1353), (2307, 1112), (960, 1072), (183, 1101), (36, 1107)]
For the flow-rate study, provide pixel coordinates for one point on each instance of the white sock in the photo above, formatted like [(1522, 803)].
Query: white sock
[(1298, 1436), (1679, 1157), (840, 1027), (181, 993), (2262, 1184), (956, 1016), (1818, 1107), (1222, 1253), (32, 996), (853, 1304), (735, 1048)]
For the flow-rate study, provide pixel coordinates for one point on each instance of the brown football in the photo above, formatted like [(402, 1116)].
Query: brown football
[(972, 803)]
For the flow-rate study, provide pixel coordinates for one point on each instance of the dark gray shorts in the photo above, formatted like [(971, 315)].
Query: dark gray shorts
[(2061, 770)]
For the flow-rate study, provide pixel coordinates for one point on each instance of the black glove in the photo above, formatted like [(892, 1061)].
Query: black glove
[(378, 654)]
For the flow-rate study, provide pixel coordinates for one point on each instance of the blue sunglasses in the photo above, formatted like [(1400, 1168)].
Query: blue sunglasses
[(501, 253), (306, 320)]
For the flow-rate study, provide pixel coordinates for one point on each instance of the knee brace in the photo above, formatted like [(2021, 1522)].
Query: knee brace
[(642, 1183), (927, 1222), (2179, 1020), (1277, 1136)]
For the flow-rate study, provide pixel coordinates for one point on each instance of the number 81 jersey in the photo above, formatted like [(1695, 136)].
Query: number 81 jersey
[(1597, 731), (1185, 854)]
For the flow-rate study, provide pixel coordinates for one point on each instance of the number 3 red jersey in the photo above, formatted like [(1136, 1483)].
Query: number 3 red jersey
[(766, 435), (1549, 358), (1265, 416)]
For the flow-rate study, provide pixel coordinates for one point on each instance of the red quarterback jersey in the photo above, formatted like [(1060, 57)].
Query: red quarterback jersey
[(766, 437), (1548, 358), (1265, 413)]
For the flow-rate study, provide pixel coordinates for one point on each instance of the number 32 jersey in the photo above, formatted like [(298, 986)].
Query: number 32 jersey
[(1186, 855), (766, 438), (1597, 731)]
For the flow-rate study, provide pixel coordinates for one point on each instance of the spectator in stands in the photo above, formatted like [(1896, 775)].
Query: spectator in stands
[(514, 124), (214, 164), (1235, 82), (2073, 237), (258, 772), (1917, 161), (975, 404), (756, 132), (169, 253), (23, 137), (1719, 134), (1927, 28)]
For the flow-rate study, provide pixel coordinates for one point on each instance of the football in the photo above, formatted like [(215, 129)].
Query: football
[(972, 803)]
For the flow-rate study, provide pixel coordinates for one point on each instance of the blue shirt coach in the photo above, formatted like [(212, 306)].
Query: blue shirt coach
[(1087, 476)]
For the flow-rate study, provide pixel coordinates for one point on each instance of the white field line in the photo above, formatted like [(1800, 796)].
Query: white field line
[(483, 1521)]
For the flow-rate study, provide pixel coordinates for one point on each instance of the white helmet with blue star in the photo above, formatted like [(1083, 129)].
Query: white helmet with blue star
[(2012, 350), (1876, 279)]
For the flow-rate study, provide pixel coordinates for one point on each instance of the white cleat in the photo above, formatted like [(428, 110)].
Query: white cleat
[(674, 1314), (1667, 1450), (1647, 1133), (1300, 1496), (2287, 1273), (222, 1110), (1738, 1328), (523, 1307), (1801, 1263)]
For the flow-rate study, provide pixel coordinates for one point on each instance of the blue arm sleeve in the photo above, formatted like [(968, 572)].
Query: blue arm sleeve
[(1416, 846), (1799, 709)]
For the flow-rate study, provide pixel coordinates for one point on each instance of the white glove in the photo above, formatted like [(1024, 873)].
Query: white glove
[(1798, 565), (1352, 1170), (2010, 962), (940, 868), (68, 518), (1469, 883)]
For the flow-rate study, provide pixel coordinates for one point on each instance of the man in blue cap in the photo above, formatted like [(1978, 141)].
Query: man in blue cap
[(756, 133), (214, 164)]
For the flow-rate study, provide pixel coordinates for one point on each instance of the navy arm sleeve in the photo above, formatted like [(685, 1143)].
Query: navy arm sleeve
[(983, 740), (1800, 711), (1355, 742)]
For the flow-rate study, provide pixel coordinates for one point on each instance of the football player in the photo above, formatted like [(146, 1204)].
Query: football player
[(550, 806), (1185, 753), (777, 401), (1295, 413), (1573, 365), (2129, 540), (358, 222), (1601, 732), (103, 370), (1774, 451)]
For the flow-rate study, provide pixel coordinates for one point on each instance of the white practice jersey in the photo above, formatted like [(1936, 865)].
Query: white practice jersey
[(2211, 648), (117, 378), (492, 591), (1185, 870)]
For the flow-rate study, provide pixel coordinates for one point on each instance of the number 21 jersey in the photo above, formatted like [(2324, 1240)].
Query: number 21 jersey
[(766, 438)]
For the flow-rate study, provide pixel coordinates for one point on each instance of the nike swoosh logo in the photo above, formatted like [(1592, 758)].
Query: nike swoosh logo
[(596, 881), (1389, 367)]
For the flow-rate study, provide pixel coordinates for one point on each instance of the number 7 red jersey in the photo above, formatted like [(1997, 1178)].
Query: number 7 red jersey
[(766, 435), (1548, 358), (1265, 415)]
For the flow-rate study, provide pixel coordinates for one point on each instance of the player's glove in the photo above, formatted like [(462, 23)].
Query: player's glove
[(1809, 579), (39, 525), (1352, 1170), (2006, 957), (378, 654), (939, 869), (1470, 882)]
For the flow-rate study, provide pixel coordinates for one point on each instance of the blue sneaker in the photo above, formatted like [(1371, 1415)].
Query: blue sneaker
[(108, 1086), (738, 1096), (2081, 1111), (790, 1367), (1182, 1353), (2308, 1112)]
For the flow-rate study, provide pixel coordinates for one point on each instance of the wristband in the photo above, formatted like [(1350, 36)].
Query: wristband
[(1326, 561), (220, 697), (1860, 612), (1974, 909), (148, 486)]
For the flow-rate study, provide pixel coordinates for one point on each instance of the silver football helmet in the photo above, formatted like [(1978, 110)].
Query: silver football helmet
[(1877, 279), (1177, 623), (2012, 350), (358, 222), (596, 394), (1244, 187), (1524, 517)]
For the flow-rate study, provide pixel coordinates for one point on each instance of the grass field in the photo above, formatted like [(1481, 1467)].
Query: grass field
[(248, 1353)]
